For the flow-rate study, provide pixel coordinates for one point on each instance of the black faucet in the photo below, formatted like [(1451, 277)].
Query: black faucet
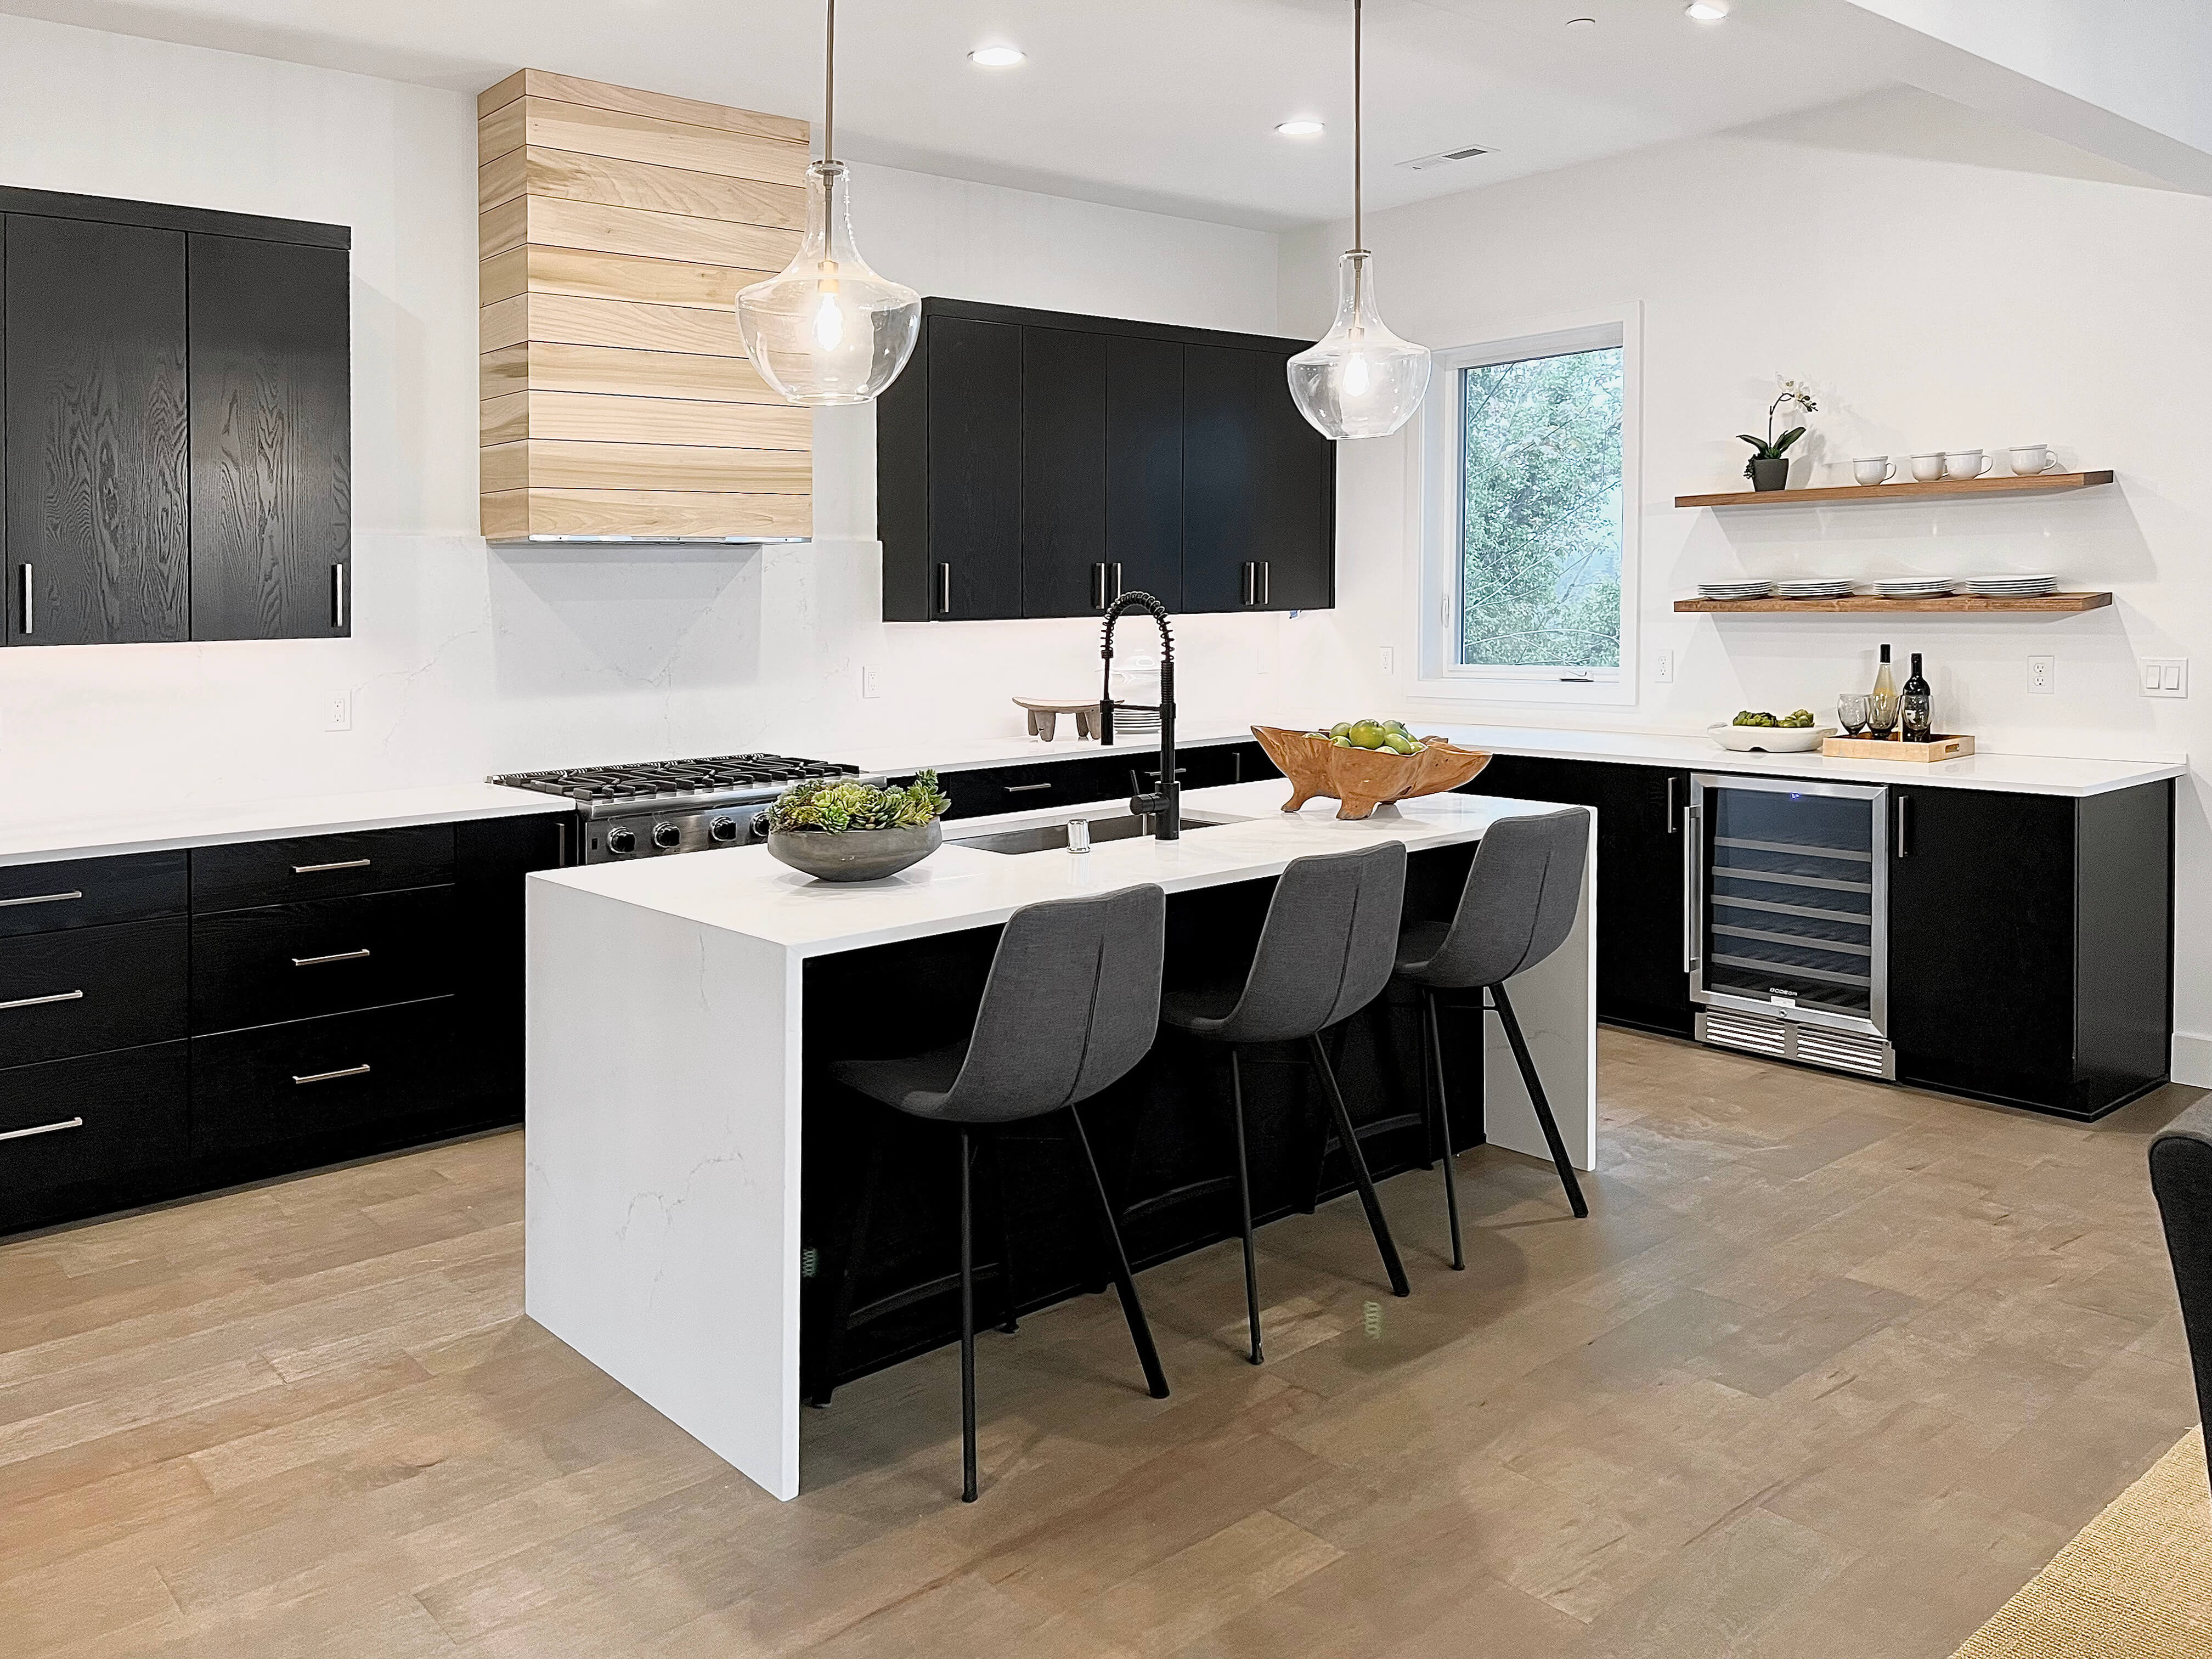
[(1164, 805)]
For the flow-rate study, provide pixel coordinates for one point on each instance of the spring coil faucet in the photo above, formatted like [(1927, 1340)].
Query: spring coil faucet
[(1164, 805)]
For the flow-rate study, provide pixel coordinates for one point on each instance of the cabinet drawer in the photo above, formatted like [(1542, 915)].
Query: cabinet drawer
[(44, 898), (87, 989), (320, 1077), (90, 1119), (326, 957), (257, 872)]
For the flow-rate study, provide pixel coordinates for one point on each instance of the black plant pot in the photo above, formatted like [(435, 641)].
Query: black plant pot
[(1770, 475)]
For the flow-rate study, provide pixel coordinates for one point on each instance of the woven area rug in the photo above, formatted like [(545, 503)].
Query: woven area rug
[(2137, 1582)]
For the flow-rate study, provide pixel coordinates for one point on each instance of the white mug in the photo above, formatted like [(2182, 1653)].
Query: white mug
[(1926, 469), (2029, 459), (1966, 462), (1874, 468)]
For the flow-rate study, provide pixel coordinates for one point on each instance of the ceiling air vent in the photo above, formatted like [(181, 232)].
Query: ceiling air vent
[(1444, 158)]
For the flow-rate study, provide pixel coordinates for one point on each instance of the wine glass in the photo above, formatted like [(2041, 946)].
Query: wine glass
[(1881, 712), (1851, 711)]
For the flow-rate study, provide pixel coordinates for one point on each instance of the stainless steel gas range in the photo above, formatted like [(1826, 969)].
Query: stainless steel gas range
[(649, 808)]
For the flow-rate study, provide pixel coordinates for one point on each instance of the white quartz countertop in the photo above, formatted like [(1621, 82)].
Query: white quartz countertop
[(29, 836), (2027, 774), (743, 890)]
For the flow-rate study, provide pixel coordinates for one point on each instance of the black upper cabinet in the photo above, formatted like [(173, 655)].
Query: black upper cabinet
[(96, 495), (1036, 464), (271, 444), (175, 462)]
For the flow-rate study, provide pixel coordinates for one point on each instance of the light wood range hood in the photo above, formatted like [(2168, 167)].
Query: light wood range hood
[(615, 229)]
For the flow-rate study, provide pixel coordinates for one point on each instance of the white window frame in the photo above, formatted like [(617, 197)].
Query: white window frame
[(1437, 568)]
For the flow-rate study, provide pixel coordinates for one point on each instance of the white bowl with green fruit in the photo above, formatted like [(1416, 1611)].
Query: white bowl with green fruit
[(1756, 732)]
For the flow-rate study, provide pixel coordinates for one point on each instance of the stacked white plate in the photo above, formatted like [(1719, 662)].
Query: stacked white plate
[(2011, 588), (1815, 588), (1912, 587), (1744, 589)]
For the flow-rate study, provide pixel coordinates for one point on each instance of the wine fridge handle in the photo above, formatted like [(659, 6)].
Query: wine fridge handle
[(1693, 883)]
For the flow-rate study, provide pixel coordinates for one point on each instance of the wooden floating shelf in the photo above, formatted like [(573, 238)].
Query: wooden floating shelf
[(1864, 604), (2041, 483)]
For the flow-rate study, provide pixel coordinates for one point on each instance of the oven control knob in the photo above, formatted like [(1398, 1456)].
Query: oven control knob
[(620, 841), (666, 834), (723, 830)]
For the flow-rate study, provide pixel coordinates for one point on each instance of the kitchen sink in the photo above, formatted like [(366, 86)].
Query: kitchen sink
[(1049, 837)]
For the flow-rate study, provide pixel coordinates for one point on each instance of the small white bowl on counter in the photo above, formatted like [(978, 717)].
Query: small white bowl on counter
[(1771, 739)]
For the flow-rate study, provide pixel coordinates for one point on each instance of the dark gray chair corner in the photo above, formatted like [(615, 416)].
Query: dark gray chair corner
[(1070, 1006), (1518, 906), (2181, 1179)]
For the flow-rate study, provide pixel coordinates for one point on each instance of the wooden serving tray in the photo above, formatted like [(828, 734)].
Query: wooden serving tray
[(1941, 747)]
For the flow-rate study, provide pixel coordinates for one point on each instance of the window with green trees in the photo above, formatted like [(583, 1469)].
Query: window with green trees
[(1540, 512)]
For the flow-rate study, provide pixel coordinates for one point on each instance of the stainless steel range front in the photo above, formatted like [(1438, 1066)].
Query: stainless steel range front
[(648, 808), (1786, 920)]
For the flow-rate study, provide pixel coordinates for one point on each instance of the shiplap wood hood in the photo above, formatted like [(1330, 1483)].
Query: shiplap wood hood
[(615, 229)]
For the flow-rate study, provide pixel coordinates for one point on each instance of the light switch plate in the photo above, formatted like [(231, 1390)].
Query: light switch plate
[(337, 713), (1662, 667), (2165, 677), (2042, 675), (1389, 661)]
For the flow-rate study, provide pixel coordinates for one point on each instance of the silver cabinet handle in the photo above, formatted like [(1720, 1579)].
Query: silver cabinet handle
[(332, 1076), (43, 1129), (42, 898), (943, 590), (340, 956), (1673, 823), (1265, 587), (40, 1002), (1246, 572), (337, 596), (30, 602), (1905, 826), (1116, 568), (1098, 600), (317, 869), (1025, 789), (1693, 877)]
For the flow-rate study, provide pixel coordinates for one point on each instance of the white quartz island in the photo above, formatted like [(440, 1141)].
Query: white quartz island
[(665, 1019)]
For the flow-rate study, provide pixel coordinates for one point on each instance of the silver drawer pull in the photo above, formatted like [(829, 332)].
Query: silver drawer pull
[(339, 955), (331, 1077), (41, 898), (317, 869), (1025, 789), (40, 1002), (43, 1129)]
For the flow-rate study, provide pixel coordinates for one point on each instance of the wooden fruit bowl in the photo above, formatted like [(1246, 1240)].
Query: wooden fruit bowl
[(1361, 780)]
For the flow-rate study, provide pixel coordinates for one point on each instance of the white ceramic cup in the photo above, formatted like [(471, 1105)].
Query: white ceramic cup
[(1966, 462), (1874, 468), (1926, 469), (2029, 459)]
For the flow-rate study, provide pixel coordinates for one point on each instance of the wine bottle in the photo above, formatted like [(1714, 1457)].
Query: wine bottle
[(1915, 709), (1882, 706)]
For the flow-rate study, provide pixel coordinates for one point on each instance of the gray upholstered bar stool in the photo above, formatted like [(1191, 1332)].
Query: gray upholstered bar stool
[(1027, 1058), (1325, 952), (1517, 907)]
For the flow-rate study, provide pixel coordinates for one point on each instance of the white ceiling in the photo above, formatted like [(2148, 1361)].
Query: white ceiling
[(1167, 104)]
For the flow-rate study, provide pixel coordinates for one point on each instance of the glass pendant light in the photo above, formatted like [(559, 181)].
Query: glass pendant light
[(1359, 381), (828, 330)]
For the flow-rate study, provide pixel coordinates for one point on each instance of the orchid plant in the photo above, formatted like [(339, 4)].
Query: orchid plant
[(1772, 448)]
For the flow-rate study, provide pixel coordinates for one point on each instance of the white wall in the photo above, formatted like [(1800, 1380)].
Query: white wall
[(465, 661), (1935, 302)]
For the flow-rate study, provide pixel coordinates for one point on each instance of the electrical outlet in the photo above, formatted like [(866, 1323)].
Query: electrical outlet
[(1662, 667), (337, 714), (2165, 677), (872, 682), (1389, 661), (2042, 672)]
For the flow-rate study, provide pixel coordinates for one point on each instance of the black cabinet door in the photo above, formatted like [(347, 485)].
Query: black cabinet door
[(1221, 482), (1144, 466), (1063, 484), (974, 394), (1982, 922), (272, 444), (96, 450), (1298, 523)]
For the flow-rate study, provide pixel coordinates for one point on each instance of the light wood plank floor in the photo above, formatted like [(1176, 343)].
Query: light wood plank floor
[(1832, 1368)]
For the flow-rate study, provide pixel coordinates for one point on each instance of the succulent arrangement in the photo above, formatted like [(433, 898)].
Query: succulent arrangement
[(1370, 733), (838, 808), (1796, 720)]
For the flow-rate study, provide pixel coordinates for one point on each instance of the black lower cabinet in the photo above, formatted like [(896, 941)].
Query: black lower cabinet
[(2030, 945), (1641, 979), (334, 1080), (94, 1133)]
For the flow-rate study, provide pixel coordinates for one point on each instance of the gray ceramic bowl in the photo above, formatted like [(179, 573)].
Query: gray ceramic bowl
[(857, 854)]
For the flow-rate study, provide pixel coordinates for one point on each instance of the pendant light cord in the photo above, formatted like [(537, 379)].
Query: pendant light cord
[(829, 87), (1359, 230)]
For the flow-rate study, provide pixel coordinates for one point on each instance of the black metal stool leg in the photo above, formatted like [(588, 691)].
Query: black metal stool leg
[(1376, 1223), (1008, 1323), (1433, 1052), (1244, 1202), (967, 1320), (856, 1246), (1543, 1118), (1118, 1261)]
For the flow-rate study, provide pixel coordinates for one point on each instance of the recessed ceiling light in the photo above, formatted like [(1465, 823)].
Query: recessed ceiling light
[(1707, 11), (1303, 127), (996, 56)]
